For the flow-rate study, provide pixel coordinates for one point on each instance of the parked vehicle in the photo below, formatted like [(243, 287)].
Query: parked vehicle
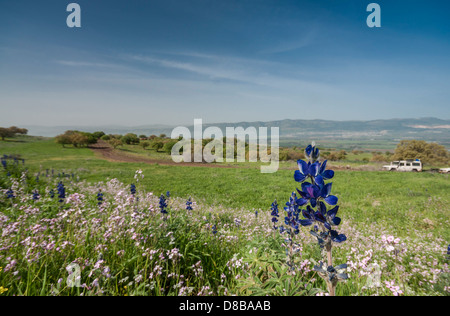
[(444, 170), (405, 165), (392, 167)]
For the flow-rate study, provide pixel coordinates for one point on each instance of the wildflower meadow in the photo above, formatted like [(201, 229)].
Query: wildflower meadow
[(64, 235)]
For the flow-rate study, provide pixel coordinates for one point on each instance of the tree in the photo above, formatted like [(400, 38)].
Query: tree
[(115, 142), (169, 145), (98, 135), (12, 131), (17, 130), (5, 132), (431, 153), (130, 139), (144, 145), (157, 145), (79, 139), (75, 138), (63, 139)]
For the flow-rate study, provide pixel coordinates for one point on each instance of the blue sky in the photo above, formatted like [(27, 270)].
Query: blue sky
[(167, 62)]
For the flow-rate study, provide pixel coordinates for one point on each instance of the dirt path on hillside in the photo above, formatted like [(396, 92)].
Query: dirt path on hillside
[(105, 151)]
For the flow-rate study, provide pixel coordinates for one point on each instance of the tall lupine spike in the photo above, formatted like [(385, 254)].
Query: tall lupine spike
[(316, 195), (10, 194), (99, 197), (162, 204), (61, 192), (274, 214), (36, 195), (189, 205), (133, 189)]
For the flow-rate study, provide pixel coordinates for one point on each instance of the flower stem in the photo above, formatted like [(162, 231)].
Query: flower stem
[(331, 285)]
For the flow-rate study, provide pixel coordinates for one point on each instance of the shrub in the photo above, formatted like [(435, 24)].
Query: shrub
[(431, 153), (115, 142)]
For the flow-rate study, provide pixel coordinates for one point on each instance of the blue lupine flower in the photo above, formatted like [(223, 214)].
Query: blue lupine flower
[(305, 170), (325, 194), (168, 194), (61, 192), (52, 193), (310, 193), (10, 194), (274, 213), (162, 204), (214, 229), (99, 198), (323, 174), (4, 163), (316, 195), (327, 218), (336, 237), (312, 153), (8, 174), (36, 195), (189, 205), (292, 213), (256, 214), (314, 170), (308, 214), (448, 252), (133, 189)]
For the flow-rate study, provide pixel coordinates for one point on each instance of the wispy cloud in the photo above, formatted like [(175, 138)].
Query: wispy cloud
[(72, 63), (216, 71), (262, 73)]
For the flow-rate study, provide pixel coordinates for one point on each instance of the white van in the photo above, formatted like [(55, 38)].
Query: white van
[(405, 165)]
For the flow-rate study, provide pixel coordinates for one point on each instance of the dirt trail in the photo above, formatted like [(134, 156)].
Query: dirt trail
[(104, 150)]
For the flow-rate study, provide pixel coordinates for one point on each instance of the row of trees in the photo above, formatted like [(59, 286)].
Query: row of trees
[(78, 139), (429, 153), (11, 131), (153, 141)]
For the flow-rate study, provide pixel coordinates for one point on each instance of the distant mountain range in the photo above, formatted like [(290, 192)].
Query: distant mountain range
[(300, 131)]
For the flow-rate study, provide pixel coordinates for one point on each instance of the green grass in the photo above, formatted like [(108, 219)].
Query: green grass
[(404, 199), (411, 206)]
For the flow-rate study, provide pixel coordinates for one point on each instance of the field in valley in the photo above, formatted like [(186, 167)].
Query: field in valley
[(397, 225)]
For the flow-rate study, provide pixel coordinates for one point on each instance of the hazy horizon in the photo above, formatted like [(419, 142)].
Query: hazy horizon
[(426, 127)]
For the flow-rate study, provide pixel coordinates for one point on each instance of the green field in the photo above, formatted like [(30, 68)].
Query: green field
[(406, 195), (411, 206)]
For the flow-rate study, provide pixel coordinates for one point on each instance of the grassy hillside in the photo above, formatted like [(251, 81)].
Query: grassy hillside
[(401, 198), (396, 224)]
